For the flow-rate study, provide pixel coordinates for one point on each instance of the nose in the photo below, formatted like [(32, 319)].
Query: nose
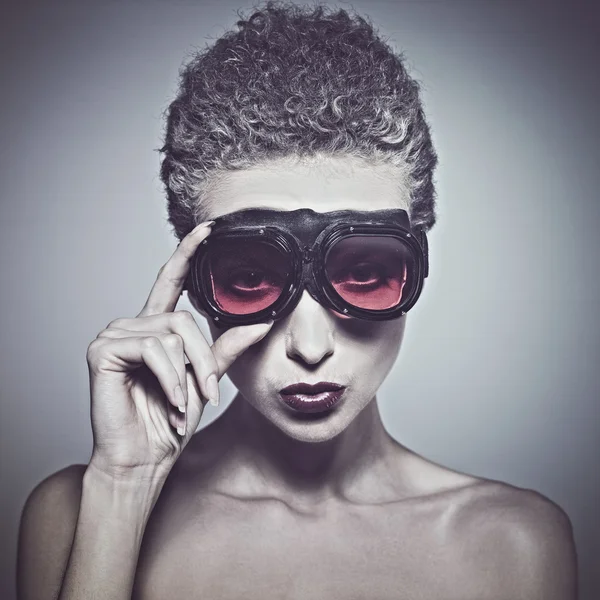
[(310, 331)]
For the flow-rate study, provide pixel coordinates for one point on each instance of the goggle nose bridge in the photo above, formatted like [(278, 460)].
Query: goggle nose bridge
[(307, 254), (307, 277)]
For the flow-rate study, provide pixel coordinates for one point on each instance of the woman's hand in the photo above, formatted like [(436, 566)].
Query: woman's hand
[(146, 402)]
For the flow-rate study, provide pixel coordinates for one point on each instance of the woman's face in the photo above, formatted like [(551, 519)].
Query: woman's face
[(314, 343)]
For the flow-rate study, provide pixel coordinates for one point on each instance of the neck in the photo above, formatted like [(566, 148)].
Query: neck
[(348, 465)]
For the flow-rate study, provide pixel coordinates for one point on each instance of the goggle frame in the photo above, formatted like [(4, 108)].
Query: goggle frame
[(307, 265)]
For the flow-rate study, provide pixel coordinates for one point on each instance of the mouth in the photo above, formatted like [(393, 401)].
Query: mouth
[(307, 398)]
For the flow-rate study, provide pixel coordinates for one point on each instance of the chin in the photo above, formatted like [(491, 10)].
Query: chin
[(311, 431), (309, 427)]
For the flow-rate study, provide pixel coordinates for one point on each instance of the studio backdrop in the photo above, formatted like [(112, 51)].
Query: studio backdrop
[(498, 375)]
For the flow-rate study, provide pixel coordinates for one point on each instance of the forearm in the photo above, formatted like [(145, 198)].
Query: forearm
[(111, 523)]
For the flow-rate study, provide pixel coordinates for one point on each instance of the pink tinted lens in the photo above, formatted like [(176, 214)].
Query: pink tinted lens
[(369, 271), (246, 276)]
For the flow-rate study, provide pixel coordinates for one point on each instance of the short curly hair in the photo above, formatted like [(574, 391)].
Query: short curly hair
[(294, 81)]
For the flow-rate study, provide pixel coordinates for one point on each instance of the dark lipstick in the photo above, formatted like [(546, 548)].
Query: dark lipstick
[(308, 398)]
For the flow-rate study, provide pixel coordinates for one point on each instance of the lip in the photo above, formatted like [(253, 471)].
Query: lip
[(315, 388), (307, 398)]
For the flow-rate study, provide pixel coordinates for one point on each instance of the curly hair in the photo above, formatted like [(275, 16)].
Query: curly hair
[(294, 81)]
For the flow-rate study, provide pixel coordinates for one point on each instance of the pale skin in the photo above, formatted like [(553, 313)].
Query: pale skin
[(262, 504)]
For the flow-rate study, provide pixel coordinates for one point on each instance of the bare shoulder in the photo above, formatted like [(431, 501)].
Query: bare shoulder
[(67, 479), (505, 541), (46, 531), (497, 503), (521, 541), (489, 506), (58, 494)]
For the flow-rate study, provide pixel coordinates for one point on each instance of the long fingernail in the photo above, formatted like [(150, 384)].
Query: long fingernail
[(179, 397), (212, 389), (262, 331), (181, 431), (201, 225)]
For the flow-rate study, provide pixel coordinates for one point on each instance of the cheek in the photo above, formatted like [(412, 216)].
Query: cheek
[(379, 350), (393, 334), (251, 367), (375, 337)]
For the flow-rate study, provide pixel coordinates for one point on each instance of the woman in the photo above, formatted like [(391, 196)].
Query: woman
[(298, 123)]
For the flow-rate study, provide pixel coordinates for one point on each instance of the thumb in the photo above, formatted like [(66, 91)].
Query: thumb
[(235, 341)]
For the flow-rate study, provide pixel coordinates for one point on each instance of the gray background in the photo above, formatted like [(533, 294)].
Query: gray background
[(498, 375)]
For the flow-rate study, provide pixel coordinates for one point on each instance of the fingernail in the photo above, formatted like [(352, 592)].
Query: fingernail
[(212, 389), (180, 399), (263, 330), (201, 225), (181, 431)]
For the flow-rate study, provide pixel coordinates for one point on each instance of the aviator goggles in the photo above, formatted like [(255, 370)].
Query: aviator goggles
[(256, 263)]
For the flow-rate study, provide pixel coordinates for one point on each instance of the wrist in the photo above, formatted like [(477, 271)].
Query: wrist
[(120, 498), (123, 477)]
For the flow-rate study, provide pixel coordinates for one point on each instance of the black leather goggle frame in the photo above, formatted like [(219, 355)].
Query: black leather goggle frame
[(305, 236)]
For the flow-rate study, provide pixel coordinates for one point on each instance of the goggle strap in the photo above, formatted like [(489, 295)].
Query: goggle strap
[(425, 247)]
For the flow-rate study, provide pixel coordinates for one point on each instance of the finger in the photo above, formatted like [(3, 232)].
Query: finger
[(196, 402), (119, 332), (195, 345), (173, 346), (233, 342), (171, 277), (121, 355)]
